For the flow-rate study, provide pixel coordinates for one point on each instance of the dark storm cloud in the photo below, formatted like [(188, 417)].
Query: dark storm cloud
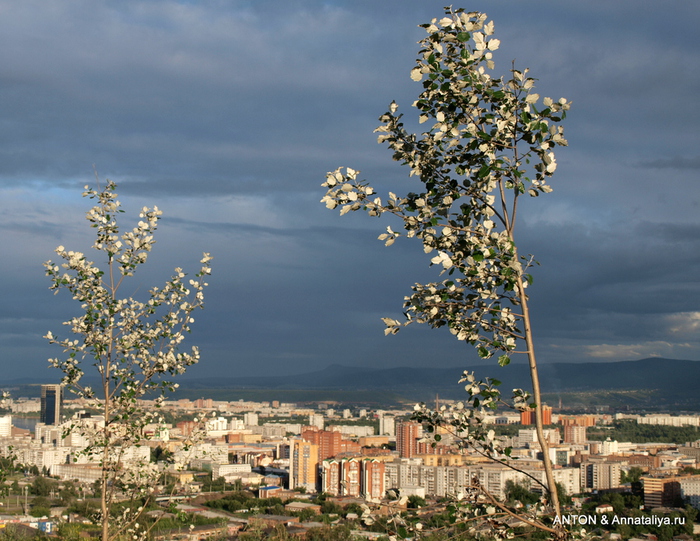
[(678, 162), (228, 114)]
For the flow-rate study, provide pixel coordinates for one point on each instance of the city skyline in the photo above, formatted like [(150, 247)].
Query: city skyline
[(228, 117)]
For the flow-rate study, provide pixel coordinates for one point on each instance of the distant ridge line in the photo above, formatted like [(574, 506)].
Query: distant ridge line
[(671, 379)]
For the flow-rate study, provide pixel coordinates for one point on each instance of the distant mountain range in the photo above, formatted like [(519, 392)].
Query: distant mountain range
[(653, 383), (652, 373)]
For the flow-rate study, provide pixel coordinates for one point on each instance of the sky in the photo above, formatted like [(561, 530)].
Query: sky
[(228, 114)]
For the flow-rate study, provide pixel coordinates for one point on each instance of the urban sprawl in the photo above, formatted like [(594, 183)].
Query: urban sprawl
[(355, 455)]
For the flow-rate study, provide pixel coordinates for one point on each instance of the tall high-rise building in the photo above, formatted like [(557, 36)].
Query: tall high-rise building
[(303, 465), (330, 477), (600, 475), (386, 425), (373, 473), (329, 442), (351, 477), (407, 435), (51, 402)]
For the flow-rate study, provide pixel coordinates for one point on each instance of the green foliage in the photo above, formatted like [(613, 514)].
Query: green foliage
[(7, 464), (86, 508), (160, 454), (626, 505), (507, 430), (256, 533), (615, 499), (67, 493), (215, 485), (70, 531), (329, 533), (415, 502), (632, 475), (329, 508), (353, 508), (41, 501), (564, 498), (19, 532), (244, 501), (182, 522), (42, 486), (306, 515), (629, 430), (515, 492), (40, 511)]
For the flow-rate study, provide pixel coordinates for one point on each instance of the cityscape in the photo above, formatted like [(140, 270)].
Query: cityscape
[(495, 337), (306, 455)]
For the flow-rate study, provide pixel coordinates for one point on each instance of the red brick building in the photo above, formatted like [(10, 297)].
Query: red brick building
[(330, 443), (527, 417), (407, 435)]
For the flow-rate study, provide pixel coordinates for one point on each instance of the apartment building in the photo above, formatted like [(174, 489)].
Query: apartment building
[(303, 465), (661, 491), (355, 476), (690, 490), (407, 434), (600, 475)]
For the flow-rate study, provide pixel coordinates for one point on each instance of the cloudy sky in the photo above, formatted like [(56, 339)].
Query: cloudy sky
[(227, 115)]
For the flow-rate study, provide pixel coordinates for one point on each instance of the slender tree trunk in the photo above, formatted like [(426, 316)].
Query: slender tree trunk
[(103, 501), (105, 457), (539, 424), (106, 506)]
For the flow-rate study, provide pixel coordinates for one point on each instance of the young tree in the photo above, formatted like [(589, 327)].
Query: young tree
[(133, 345), (489, 143)]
